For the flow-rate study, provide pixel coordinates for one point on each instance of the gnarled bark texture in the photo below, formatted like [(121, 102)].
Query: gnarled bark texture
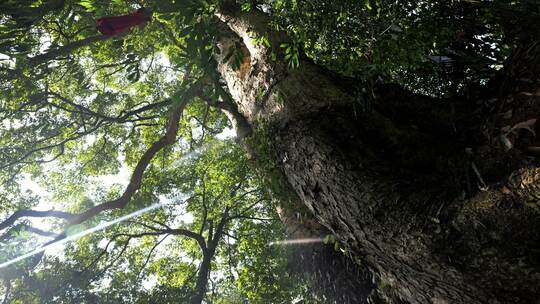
[(332, 277), (360, 176)]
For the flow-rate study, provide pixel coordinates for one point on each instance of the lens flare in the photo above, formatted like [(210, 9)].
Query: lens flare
[(297, 241), (80, 234)]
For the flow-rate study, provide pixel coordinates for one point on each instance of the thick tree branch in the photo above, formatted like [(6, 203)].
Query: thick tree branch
[(230, 109), (249, 24), (136, 179), (190, 234), (220, 229), (137, 175), (39, 231), (133, 186)]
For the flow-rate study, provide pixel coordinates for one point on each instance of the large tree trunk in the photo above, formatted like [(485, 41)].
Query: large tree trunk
[(333, 277), (359, 176)]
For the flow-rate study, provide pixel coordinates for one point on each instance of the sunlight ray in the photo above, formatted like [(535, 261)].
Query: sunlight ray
[(80, 234), (297, 241)]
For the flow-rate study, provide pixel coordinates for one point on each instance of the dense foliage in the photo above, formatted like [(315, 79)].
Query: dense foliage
[(75, 127)]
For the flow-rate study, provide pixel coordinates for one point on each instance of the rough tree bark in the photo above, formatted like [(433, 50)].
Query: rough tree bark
[(358, 174), (333, 278)]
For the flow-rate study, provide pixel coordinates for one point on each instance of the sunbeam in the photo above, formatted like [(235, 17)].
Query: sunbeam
[(82, 233), (297, 241)]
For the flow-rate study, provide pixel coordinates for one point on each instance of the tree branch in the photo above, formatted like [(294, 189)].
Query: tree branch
[(161, 224), (229, 108), (136, 178), (133, 186), (178, 231), (64, 50), (150, 255), (74, 136), (34, 213), (124, 248), (137, 175), (39, 231), (203, 200), (241, 214), (103, 253), (123, 117), (253, 218), (190, 234)]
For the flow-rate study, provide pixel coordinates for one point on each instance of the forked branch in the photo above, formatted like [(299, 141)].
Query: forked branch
[(136, 178)]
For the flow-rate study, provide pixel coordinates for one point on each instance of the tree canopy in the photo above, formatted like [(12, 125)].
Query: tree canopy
[(97, 128)]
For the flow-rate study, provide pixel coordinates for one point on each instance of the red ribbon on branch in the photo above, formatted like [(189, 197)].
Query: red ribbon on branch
[(110, 26)]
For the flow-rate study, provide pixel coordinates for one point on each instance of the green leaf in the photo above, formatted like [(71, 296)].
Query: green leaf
[(88, 5), (367, 4)]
